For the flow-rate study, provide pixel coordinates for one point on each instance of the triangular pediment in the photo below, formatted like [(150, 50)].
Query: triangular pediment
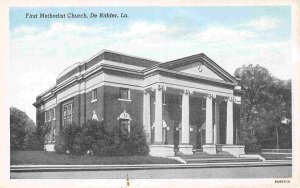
[(199, 65), (198, 69)]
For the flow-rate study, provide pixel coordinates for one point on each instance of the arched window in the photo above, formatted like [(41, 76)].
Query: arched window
[(124, 122)]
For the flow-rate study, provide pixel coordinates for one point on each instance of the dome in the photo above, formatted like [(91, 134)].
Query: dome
[(68, 69)]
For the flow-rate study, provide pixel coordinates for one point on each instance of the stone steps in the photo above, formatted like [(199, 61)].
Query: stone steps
[(220, 160), (220, 157), (222, 154)]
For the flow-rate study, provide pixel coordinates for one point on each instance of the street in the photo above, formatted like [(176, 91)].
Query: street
[(188, 173)]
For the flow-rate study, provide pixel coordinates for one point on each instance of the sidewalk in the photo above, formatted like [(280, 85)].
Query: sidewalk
[(43, 168)]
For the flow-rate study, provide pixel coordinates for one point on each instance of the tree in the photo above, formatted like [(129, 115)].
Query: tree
[(22, 129), (266, 100)]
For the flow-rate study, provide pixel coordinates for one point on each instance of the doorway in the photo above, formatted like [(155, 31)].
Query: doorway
[(176, 135)]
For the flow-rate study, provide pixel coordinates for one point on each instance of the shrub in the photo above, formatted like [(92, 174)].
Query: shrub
[(133, 143), (137, 141), (253, 147), (65, 140), (94, 136)]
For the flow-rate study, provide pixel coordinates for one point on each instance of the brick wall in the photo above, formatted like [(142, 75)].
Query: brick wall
[(114, 107), (97, 106)]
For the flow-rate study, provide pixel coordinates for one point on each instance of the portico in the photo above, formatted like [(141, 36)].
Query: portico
[(159, 146), (201, 117)]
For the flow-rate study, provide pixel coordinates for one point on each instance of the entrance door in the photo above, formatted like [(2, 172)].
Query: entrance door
[(176, 136), (200, 138)]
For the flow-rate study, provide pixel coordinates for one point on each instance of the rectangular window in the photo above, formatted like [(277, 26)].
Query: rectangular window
[(124, 93), (164, 99), (67, 113), (45, 117), (50, 115), (94, 95), (54, 114), (53, 135)]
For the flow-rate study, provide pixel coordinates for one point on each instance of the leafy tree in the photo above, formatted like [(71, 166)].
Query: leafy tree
[(22, 129), (265, 102)]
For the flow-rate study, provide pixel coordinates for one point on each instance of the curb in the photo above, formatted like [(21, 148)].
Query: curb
[(53, 168)]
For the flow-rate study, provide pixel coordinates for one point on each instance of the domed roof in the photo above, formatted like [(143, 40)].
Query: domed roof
[(68, 69)]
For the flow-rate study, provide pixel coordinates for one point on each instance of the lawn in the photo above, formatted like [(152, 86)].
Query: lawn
[(52, 158)]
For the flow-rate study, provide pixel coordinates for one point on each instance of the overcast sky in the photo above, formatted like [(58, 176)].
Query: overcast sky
[(40, 49)]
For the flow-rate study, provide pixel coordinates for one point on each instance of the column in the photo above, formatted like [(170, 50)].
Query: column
[(158, 115), (229, 123), (185, 146), (146, 116), (185, 131), (209, 120), (158, 148), (217, 122)]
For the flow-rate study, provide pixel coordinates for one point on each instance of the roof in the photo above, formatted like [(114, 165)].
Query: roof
[(105, 55)]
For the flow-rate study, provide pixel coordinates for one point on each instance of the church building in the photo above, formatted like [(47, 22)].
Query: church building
[(184, 105)]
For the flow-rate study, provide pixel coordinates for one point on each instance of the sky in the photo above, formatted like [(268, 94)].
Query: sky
[(40, 49)]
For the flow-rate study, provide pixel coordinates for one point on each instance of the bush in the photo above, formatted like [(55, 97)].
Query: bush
[(65, 140), (133, 143), (137, 141), (253, 147), (94, 136)]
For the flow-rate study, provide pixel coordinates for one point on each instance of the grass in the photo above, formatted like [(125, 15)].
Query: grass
[(52, 158)]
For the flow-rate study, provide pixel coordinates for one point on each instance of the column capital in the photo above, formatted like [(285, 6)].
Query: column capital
[(159, 87), (186, 92), (220, 99), (211, 96), (229, 99)]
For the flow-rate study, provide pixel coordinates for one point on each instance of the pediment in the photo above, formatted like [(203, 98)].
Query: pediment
[(199, 65), (198, 69)]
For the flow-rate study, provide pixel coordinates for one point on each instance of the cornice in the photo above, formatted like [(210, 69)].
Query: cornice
[(84, 77), (197, 58), (188, 76)]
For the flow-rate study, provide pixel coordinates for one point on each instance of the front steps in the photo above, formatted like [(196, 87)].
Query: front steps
[(220, 160), (220, 157)]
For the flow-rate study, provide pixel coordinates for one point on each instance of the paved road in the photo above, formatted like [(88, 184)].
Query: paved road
[(198, 173)]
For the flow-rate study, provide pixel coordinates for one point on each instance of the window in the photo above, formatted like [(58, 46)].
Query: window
[(164, 99), (124, 121), (125, 126), (124, 93), (67, 113), (53, 135), (94, 95), (45, 117), (50, 115), (54, 114)]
